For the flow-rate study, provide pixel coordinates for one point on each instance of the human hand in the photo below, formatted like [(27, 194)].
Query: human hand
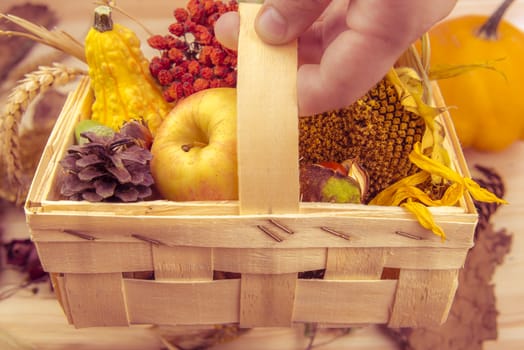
[(344, 46)]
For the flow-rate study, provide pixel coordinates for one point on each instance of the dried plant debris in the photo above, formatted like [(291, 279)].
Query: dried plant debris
[(180, 338), (329, 335), (473, 315), (489, 179), (22, 254), (12, 48)]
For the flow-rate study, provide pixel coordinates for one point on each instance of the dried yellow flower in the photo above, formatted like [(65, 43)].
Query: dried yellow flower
[(406, 193)]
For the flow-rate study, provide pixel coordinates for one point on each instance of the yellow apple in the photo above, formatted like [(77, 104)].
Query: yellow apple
[(194, 150)]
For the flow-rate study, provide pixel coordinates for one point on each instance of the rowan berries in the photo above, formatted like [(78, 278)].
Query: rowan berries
[(165, 77), (206, 73), (177, 72), (191, 58), (193, 68), (158, 42), (176, 29), (175, 55), (187, 87), (200, 84), (181, 15)]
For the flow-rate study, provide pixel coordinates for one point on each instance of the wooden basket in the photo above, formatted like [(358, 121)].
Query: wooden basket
[(156, 262)]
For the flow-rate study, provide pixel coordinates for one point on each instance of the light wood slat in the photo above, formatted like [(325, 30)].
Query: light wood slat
[(343, 302), (354, 263), (307, 259), (423, 297), (96, 299), (425, 258), (58, 284), (286, 260), (267, 300), (150, 208), (242, 231), (267, 121), (95, 257), (204, 303), (182, 263), (266, 261), (216, 208)]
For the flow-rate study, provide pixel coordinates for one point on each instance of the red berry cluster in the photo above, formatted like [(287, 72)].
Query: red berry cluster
[(191, 58)]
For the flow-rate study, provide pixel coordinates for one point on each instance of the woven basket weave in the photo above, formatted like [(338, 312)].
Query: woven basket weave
[(265, 260)]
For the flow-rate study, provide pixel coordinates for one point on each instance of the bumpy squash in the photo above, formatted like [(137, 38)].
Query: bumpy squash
[(123, 86), (489, 102)]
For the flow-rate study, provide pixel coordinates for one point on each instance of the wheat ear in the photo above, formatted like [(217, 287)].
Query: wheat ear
[(21, 95)]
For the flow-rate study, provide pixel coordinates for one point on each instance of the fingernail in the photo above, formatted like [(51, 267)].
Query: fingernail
[(271, 26)]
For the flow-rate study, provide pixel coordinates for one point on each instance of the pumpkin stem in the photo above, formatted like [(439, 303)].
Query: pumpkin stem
[(103, 21), (488, 31)]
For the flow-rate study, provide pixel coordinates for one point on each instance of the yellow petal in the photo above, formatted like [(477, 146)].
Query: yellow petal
[(435, 168), (452, 194), (412, 192), (424, 217), (385, 197), (432, 166), (481, 194)]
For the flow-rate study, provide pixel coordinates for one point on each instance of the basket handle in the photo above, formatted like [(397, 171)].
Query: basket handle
[(267, 122)]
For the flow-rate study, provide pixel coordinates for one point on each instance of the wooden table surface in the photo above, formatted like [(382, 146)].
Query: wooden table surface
[(36, 321)]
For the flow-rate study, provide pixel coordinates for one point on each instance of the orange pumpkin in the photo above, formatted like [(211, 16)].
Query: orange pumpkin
[(489, 102)]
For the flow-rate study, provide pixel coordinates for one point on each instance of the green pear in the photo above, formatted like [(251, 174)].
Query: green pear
[(89, 125)]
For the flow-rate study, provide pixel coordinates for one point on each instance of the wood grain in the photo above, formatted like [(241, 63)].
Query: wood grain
[(204, 303), (267, 118), (423, 298), (355, 263), (267, 300), (334, 302), (182, 263), (96, 299)]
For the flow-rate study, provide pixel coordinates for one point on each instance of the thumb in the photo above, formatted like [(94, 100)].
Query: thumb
[(280, 21)]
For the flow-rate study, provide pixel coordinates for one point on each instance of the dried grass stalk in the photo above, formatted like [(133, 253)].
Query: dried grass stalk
[(27, 89), (58, 39)]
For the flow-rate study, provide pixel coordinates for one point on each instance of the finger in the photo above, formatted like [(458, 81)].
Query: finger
[(350, 66), (312, 43), (280, 21), (227, 28), (359, 57)]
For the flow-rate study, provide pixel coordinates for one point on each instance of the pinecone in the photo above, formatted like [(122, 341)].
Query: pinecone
[(109, 168)]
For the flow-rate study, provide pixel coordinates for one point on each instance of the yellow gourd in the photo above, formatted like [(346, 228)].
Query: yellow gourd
[(489, 102), (123, 86)]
